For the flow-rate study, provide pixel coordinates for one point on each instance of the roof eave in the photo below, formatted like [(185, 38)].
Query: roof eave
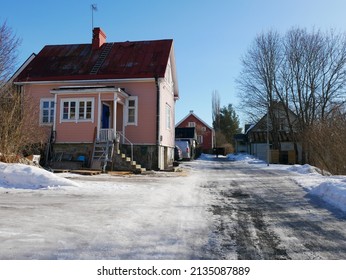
[(84, 81)]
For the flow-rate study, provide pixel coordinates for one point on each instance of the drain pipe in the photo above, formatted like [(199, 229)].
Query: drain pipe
[(158, 121)]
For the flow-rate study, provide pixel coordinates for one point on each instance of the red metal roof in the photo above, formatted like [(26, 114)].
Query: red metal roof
[(124, 60)]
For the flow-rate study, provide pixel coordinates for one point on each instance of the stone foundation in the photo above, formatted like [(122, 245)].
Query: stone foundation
[(145, 155), (73, 153)]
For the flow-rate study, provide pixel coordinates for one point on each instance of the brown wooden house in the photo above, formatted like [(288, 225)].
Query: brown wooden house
[(205, 133)]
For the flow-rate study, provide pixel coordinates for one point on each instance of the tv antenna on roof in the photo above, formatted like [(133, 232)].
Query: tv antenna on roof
[(93, 8)]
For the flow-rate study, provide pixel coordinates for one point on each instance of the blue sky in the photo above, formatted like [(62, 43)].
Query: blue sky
[(210, 36)]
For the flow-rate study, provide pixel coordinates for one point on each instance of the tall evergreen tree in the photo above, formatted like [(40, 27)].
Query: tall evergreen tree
[(229, 122)]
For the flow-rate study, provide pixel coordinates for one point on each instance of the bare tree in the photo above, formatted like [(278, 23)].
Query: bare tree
[(216, 109), (333, 78), (8, 52), (314, 78), (258, 78), (14, 133), (325, 138), (304, 71), (259, 71), (10, 124)]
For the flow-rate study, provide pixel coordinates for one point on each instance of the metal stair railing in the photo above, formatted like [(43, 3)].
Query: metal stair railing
[(120, 135)]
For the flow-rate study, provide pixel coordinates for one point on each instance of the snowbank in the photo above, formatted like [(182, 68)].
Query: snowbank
[(244, 158), (332, 192), (22, 176), (306, 169)]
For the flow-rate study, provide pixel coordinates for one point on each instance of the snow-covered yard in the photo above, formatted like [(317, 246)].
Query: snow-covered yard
[(46, 216), (157, 216)]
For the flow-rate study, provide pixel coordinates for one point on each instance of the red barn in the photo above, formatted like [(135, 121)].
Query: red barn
[(205, 133)]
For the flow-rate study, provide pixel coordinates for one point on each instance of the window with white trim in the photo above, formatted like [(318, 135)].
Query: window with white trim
[(200, 139), (78, 110), (47, 111), (132, 110), (168, 117), (191, 124), (85, 110)]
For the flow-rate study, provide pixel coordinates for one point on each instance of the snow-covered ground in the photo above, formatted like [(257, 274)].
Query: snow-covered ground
[(70, 216), (48, 216), (331, 189)]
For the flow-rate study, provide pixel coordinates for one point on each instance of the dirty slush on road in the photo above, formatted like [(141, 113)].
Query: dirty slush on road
[(261, 214), (241, 227)]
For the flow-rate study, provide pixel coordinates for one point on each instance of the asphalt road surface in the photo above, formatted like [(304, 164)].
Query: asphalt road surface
[(259, 214)]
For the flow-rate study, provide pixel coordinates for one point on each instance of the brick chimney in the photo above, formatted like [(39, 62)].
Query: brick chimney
[(99, 38)]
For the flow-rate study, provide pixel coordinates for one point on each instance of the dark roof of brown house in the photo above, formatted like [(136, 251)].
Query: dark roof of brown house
[(124, 60), (261, 136)]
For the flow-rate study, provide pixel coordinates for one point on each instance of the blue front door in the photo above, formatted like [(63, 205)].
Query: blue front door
[(105, 116)]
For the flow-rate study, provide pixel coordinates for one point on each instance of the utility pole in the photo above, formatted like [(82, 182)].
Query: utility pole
[(268, 146)]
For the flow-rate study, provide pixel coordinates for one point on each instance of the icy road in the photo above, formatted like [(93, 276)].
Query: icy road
[(214, 209)]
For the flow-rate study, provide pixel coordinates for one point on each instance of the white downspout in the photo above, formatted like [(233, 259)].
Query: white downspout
[(158, 125)]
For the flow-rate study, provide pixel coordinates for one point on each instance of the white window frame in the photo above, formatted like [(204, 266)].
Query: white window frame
[(191, 124), (168, 117), (76, 118), (49, 109), (135, 108)]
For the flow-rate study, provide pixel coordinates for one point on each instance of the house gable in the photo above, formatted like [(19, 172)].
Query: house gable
[(205, 134), (193, 117), (281, 116)]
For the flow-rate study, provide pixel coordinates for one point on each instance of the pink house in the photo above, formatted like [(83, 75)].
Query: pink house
[(103, 95)]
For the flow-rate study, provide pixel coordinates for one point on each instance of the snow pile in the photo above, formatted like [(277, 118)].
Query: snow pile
[(305, 169), (23, 176), (244, 158), (207, 157), (333, 192)]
